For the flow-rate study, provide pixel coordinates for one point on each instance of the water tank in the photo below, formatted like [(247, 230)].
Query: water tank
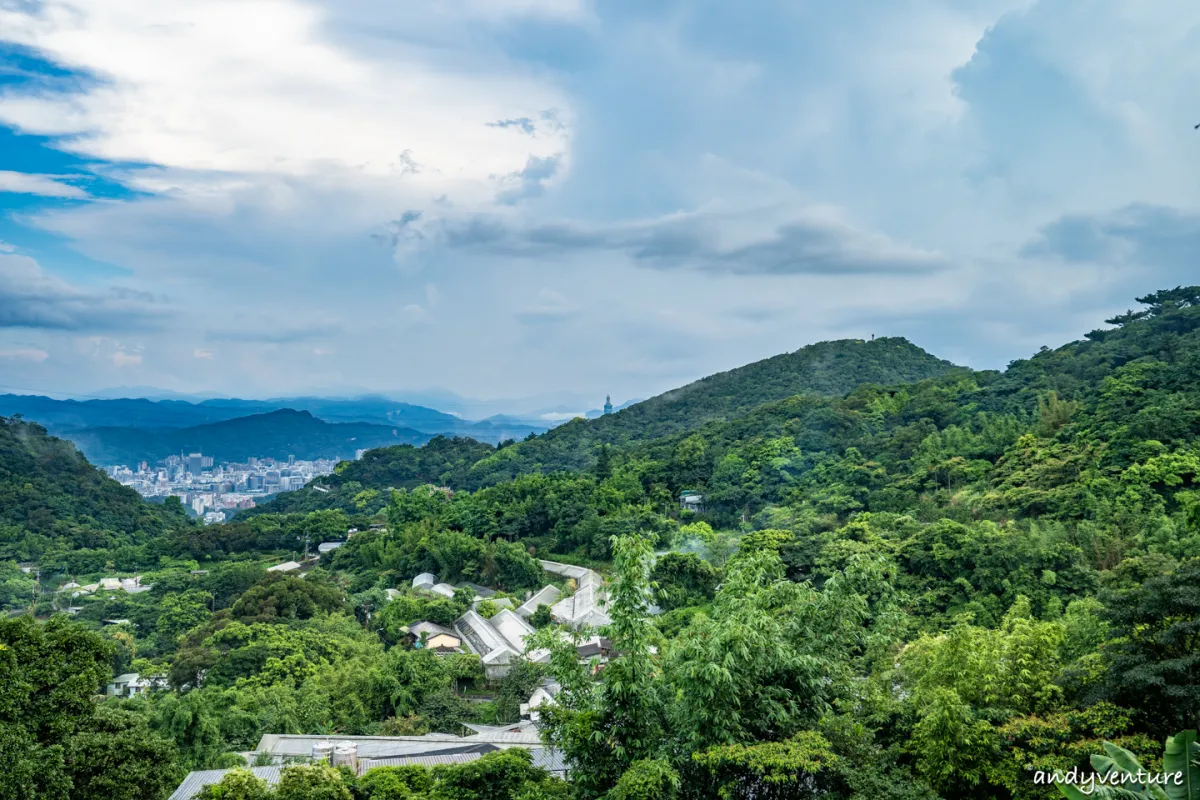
[(345, 754), (322, 751)]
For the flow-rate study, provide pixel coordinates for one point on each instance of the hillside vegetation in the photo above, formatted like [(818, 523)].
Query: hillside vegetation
[(52, 498), (826, 369)]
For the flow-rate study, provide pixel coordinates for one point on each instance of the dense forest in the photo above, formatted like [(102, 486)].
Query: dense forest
[(907, 580)]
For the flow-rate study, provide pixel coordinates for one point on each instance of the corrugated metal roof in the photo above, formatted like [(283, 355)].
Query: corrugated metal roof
[(195, 781), (281, 745), (514, 629), (547, 595), (420, 761)]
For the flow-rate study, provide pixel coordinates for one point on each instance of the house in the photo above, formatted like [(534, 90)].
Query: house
[(133, 585), (287, 566), (498, 641), (364, 753), (392, 594), (547, 596), (498, 602), (585, 608), (131, 684), (69, 585), (435, 637), (480, 591), (516, 631), (110, 584), (425, 580), (597, 646), (543, 695), (328, 547), (115, 621), (486, 642), (691, 501), (444, 589)]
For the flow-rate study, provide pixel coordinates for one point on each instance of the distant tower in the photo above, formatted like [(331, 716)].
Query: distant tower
[(607, 404)]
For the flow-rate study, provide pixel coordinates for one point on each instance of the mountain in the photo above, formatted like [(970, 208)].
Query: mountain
[(826, 368), (51, 496), (124, 412), (64, 415), (362, 486), (275, 434)]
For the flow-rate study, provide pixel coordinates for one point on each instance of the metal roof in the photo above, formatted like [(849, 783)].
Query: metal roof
[(432, 628), (483, 639), (548, 596), (420, 761), (284, 745)]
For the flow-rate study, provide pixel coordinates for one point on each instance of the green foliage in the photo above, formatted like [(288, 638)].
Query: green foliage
[(796, 767), (238, 784), (311, 782), (827, 368), (649, 779), (282, 596), (55, 742), (683, 579), (1155, 650), (53, 500), (442, 462)]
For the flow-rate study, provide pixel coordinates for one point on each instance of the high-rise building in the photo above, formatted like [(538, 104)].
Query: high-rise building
[(195, 462), (607, 404)]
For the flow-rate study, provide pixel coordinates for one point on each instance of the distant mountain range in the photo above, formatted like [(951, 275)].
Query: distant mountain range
[(275, 434), (125, 430)]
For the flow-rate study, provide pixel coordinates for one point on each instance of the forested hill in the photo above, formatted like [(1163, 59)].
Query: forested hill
[(826, 368), (51, 497), (362, 485), (276, 434)]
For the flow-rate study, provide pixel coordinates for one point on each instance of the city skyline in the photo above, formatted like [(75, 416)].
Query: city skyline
[(513, 198), (210, 488)]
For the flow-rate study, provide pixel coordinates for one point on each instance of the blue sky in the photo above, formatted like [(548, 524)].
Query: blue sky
[(507, 198)]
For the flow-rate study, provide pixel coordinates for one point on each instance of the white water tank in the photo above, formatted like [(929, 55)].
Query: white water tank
[(345, 754), (322, 751)]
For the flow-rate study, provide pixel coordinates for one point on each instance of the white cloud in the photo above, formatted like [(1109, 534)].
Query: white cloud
[(24, 354), (264, 87), (701, 184), (44, 185), (124, 359), (203, 352)]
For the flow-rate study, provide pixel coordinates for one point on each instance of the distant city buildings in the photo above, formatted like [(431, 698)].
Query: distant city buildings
[(214, 492), (607, 404)]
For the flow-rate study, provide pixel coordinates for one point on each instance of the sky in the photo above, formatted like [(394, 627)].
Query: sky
[(540, 198)]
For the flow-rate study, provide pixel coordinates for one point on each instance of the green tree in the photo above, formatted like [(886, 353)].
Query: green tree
[(179, 613), (311, 782), (237, 784)]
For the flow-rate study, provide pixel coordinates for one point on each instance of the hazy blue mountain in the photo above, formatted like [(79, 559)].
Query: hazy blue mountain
[(276, 434), (60, 416)]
